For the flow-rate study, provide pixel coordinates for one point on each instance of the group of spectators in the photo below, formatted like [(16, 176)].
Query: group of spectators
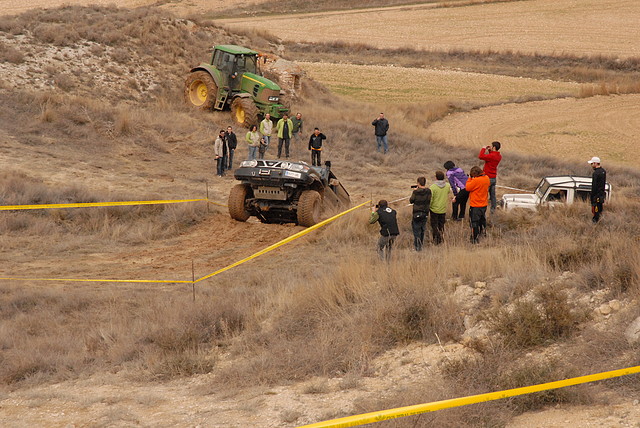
[(258, 140), (430, 203)]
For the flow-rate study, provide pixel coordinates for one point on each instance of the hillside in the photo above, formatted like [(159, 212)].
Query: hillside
[(91, 110)]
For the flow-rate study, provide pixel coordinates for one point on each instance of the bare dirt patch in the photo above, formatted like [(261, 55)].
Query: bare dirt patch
[(568, 128), (590, 27)]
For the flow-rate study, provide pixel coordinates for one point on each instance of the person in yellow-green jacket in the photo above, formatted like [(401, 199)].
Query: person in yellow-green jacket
[(285, 131), (438, 206)]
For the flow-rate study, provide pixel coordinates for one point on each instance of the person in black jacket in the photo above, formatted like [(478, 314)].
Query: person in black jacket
[(232, 144), (315, 145), (382, 127), (386, 217), (421, 199), (598, 184)]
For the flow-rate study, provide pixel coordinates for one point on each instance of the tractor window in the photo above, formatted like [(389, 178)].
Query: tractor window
[(223, 61), (246, 63)]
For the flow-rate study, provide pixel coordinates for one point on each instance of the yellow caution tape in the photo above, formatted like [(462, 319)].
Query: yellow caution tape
[(281, 243), (99, 280), (94, 204), (384, 415), (259, 253), (219, 204)]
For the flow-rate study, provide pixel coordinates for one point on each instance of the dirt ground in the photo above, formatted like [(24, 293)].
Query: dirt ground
[(604, 126)]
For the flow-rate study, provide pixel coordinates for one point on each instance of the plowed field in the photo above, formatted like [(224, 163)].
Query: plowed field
[(581, 27), (570, 128), (414, 85)]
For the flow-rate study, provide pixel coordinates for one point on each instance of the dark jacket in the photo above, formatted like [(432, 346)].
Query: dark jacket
[(421, 199), (232, 140), (382, 126), (315, 141), (388, 222), (598, 182)]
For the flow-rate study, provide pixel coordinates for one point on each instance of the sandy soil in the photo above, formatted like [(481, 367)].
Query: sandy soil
[(581, 27), (573, 128)]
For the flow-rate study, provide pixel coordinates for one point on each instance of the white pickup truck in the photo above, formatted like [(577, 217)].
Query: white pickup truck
[(553, 191)]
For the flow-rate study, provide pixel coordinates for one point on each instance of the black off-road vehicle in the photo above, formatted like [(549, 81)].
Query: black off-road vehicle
[(285, 192)]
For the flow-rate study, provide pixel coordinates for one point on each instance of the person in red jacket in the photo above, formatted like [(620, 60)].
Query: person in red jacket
[(491, 157), (478, 188)]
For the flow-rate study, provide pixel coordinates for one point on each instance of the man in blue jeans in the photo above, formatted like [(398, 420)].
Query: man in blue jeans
[(382, 126), (491, 157)]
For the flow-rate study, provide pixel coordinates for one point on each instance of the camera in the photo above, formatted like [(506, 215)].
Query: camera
[(377, 206), (415, 186)]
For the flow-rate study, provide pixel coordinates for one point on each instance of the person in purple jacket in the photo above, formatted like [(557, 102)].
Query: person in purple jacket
[(458, 180)]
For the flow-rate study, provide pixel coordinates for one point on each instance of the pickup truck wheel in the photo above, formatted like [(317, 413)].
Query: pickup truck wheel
[(237, 197), (309, 208)]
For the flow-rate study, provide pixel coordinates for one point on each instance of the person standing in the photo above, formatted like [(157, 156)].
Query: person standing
[(598, 188), (491, 157), (253, 138), (420, 198), (285, 130), (458, 180), (389, 231), (438, 207), (478, 188), (315, 145), (297, 127), (266, 128), (381, 128), (218, 150), (232, 143)]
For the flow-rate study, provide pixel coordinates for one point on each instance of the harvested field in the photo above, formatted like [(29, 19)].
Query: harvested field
[(10, 7), (384, 84), (567, 128), (587, 27)]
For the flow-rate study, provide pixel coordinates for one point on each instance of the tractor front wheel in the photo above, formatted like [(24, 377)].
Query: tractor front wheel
[(309, 208), (244, 112), (200, 90)]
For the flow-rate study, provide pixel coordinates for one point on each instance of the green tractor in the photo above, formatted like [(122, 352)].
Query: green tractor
[(232, 80)]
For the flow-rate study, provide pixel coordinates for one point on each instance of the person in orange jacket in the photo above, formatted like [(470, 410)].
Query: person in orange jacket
[(478, 188)]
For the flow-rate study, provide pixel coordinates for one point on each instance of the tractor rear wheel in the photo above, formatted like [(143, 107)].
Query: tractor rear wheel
[(237, 197), (200, 90), (309, 208), (244, 112)]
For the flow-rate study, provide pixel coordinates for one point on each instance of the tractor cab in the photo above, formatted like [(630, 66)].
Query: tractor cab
[(233, 62)]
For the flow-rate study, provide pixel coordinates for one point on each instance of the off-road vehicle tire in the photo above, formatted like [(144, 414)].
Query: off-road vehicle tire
[(309, 208), (244, 112), (237, 197), (200, 91)]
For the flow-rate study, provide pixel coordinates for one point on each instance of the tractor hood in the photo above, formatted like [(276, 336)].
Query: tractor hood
[(251, 79)]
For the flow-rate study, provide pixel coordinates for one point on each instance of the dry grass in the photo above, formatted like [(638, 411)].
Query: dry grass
[(135, 224), (324, 306)]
